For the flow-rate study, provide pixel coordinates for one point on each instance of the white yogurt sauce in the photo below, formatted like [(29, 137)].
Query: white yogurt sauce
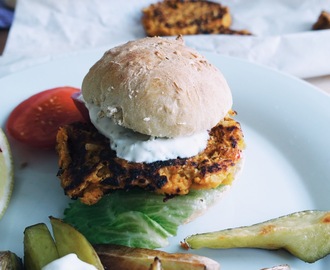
[(69, 262), (137, 147)]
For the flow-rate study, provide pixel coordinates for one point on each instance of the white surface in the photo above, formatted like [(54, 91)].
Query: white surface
[(282, 32), (286, 126)]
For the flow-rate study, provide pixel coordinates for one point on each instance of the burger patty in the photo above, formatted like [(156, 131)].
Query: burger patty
[(187, 17), (88, 168)]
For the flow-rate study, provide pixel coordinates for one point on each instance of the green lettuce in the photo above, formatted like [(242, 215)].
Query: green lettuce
[(138, 218)]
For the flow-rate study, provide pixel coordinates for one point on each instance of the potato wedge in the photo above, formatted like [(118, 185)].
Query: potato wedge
[(39, 247), (304, 234), (69, 240), (122, 257), (10, 261)]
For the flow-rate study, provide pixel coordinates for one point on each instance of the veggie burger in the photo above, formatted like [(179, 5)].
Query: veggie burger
[(160, 119)]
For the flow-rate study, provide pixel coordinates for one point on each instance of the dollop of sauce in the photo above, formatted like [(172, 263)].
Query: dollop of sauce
[(136, 147), (68, 262)]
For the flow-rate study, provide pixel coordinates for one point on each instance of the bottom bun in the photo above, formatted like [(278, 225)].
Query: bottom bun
[(213, 196)]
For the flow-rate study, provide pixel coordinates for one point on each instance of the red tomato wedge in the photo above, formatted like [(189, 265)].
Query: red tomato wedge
[(36, 120)]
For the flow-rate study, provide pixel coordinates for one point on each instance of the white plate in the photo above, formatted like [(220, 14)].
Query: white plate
[(286, 124)]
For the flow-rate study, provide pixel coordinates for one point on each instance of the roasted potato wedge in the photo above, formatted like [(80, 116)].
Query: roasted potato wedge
[(122, 257), (69, 240), (39, 247), (304, 234), (156, 264), (10, 261)]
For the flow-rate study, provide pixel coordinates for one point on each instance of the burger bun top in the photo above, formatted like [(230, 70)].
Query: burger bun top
[(158, 87)]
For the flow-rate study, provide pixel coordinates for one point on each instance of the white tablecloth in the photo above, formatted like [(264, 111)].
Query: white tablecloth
[(282, 36)]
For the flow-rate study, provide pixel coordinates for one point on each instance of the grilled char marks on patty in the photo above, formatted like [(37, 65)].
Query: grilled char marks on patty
[(88, 168)]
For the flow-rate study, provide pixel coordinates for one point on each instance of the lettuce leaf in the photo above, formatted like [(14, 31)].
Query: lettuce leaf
[(138, 218)]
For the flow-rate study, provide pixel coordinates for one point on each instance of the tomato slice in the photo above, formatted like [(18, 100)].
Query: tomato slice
[(36, 120)]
